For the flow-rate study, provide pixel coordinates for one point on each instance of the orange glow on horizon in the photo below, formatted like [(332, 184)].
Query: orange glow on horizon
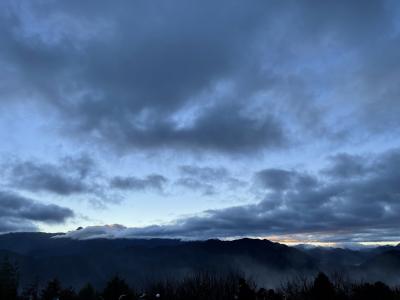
[(292, 241)]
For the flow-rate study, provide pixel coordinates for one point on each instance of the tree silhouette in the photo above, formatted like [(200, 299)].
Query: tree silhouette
[(30, 292), (68, 294), (245, 292), (52, 290), (116, 288), (8, 280), (200, 286), (368, 291), (323, 288), (87, 292)]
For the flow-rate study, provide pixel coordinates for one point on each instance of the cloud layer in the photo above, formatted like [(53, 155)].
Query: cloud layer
[(18, 213), (65, 178), (153, 181), (330, 209), (181, 103), (226, 77)]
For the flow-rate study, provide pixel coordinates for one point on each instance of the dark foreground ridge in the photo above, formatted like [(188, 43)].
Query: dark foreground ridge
[(199, 286)]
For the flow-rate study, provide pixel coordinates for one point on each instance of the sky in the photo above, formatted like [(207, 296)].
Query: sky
[(201, 119)]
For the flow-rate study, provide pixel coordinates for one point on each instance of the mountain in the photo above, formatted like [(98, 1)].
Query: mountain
[(384, 265), (335, 259), (390, 260), (42, 256)]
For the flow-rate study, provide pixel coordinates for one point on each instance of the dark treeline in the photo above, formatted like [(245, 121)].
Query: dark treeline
[(199, 286)]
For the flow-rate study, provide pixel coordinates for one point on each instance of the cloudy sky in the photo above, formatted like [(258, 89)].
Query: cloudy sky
[(199, 119)]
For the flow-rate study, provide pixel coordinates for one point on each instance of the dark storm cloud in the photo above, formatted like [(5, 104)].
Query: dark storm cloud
[(153, 181), (355, 209), (67, 177), (129, 85), (18, 213), (182, 76), (224, 129)]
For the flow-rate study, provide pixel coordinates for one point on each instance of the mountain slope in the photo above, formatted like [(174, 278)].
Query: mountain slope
[(75, 262)]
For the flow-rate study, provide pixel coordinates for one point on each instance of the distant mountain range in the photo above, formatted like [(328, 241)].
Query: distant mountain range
[(42, 256)]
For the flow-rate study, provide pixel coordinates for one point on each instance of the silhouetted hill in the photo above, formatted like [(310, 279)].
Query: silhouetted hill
[(38, 243), (389, 260), (43, 256), (75, 262), (384, 265), (338, 258), (366, 264)]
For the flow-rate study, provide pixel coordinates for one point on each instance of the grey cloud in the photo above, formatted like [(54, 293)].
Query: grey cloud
[(280, 180), (18, 213), (14, 224), (211, 130), (66, 178), (147, 76), (356, 210), (194, 184), (216, 77), (50, 213), (44, 178), (77, 176), (153, 181), (82, 165), (207, 180), (344, 165), (274, 178), (205, 173), (130, 88)]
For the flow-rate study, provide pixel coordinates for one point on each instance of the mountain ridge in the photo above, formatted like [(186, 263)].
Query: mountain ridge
[(41, 256)]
